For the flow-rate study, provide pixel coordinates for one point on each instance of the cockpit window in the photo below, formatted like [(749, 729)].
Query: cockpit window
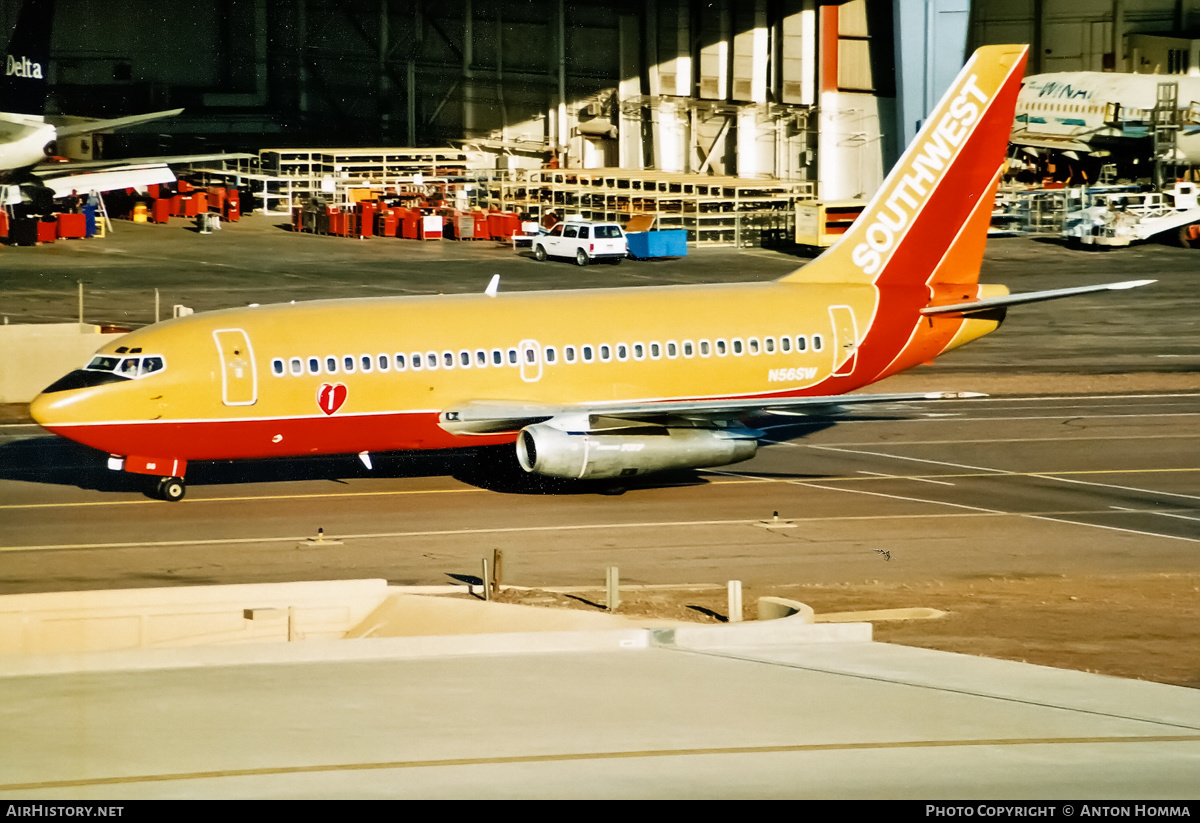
[(150, 365), (126, 367), (103, 362)]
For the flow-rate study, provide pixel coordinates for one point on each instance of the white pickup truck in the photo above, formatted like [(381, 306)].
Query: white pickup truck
[(582, 241)]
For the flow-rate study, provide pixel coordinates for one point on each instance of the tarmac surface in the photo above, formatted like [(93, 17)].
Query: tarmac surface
[(1084, 460)]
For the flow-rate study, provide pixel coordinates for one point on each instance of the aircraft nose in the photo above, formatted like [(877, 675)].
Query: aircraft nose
[(49, 409)]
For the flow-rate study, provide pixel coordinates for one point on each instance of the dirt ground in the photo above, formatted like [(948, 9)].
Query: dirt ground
[(1137, 626)]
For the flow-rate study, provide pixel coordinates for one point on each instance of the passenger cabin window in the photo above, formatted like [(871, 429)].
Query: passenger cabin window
[(464, 359), (722, 350), (365, 360), (622, 352), (655, 351), (331, 365), (276, 367), (801, 343), (431, 359), (672, 349), (384, 362), (550, 354), (416, 362), (752, 345), (785, 344), (401, 362), (737, 345), (481, 358), (588, 354), (605, 353), (295, 366), (818, 342), (769, 345), (314, 365), (348, 364), (512, 357), (689, 349), (448, 359), (569, 354), (497, 357)]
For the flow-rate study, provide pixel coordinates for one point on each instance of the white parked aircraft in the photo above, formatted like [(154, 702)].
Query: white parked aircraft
[(1103, 114)]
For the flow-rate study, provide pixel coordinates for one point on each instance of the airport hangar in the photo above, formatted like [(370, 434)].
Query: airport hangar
[(1078, 737), (790, 89)]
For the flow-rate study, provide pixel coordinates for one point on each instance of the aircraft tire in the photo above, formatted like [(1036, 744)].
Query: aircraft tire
[(581, 258), (171, 489), (539, 253)]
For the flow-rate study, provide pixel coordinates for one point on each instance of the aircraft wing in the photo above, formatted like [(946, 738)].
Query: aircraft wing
[(173, 160), (987, 303), (68, 177), (107, 175), (94, 126), (492, 417)]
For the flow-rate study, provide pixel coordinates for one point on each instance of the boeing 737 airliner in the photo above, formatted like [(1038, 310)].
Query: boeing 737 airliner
[(584, 384)]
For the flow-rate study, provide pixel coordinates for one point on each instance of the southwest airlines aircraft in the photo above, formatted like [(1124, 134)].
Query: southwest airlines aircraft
[(585, 384)]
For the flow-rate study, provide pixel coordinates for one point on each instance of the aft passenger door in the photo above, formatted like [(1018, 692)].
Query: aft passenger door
[(239, 381), (845, 340)]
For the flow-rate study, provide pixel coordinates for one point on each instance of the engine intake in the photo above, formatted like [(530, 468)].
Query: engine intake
[(545, 450)]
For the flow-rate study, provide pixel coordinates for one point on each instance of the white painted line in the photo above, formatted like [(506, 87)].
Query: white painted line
[(1003, 472), (917, 479)]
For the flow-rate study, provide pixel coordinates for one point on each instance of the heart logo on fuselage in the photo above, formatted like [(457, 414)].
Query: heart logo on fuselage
[(331, 396)]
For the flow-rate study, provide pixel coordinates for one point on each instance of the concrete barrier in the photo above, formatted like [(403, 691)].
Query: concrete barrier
[(37, 355), (75, 622)]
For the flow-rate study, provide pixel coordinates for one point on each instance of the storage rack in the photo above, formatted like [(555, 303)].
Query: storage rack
[(715, 211), (281, 178)]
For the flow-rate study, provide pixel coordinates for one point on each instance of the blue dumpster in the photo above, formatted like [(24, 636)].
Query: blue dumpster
[(670, 243)]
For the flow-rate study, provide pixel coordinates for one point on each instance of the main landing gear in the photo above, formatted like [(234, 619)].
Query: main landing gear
[(171, 489)]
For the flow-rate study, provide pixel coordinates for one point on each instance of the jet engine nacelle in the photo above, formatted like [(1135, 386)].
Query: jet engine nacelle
[(546, 450)]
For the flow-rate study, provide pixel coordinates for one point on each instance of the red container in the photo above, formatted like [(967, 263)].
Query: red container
[(386, 223), (233, 206), (184, 187), (366, 218), (3, 224), (482, 226), (216, 199), (72, 226), (160, 210), (201, 199), (46, 232), (504, 226), (412, 226), (337, 224)]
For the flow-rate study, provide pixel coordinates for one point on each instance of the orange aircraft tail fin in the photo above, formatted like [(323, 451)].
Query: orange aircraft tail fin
[(928, 222)]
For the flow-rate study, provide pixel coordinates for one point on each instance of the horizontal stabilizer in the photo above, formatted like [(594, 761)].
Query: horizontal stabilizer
[(988, 303), (93, 126)]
